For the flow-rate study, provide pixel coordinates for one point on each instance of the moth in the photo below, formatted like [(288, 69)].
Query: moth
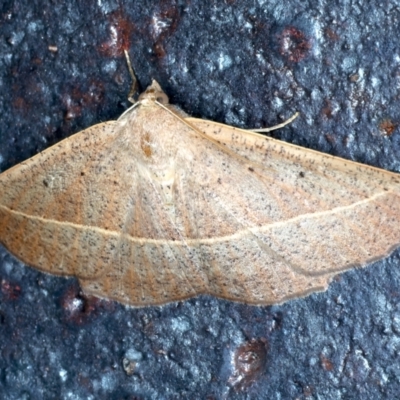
[(158, 207)]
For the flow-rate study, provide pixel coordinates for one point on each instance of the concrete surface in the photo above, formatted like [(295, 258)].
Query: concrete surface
[(247, 63)]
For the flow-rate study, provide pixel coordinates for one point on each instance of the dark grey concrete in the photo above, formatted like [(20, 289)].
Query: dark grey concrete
[(245, 63)]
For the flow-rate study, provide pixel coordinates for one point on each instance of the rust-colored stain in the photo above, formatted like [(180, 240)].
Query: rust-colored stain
[(121, 30), (332, 34), (387, 127), (327, 110), (326, 363), (330, 138), (249, 362), (293, 44), (11, 291)]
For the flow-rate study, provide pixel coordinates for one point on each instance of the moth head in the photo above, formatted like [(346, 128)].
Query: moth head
[(154, 93)]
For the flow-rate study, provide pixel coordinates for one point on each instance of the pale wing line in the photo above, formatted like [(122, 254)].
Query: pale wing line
[(339, 243), (284, 208), (261, 245), (358, 229), (120, 242), (144, 258), (118, 248), (187, 122), (74, 253), (208, 263), (183, 241), (389, 211), (273, 254), (236, 235), (71, 183), (134, 256), (82, 213), (29, 165), (343, 242), (90, 260), (258, 164), (383, 205), (360, 232), (199, 253), (222, 147), (116, 253), (169, 242)]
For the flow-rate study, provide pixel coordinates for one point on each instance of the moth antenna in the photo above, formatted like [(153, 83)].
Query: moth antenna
[(272, 128), (134, 86)]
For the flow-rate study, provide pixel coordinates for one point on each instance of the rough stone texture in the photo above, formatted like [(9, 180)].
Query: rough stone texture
[(246, 63)]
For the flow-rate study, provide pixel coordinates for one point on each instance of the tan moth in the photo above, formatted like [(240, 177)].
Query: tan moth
[(157, 207)]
